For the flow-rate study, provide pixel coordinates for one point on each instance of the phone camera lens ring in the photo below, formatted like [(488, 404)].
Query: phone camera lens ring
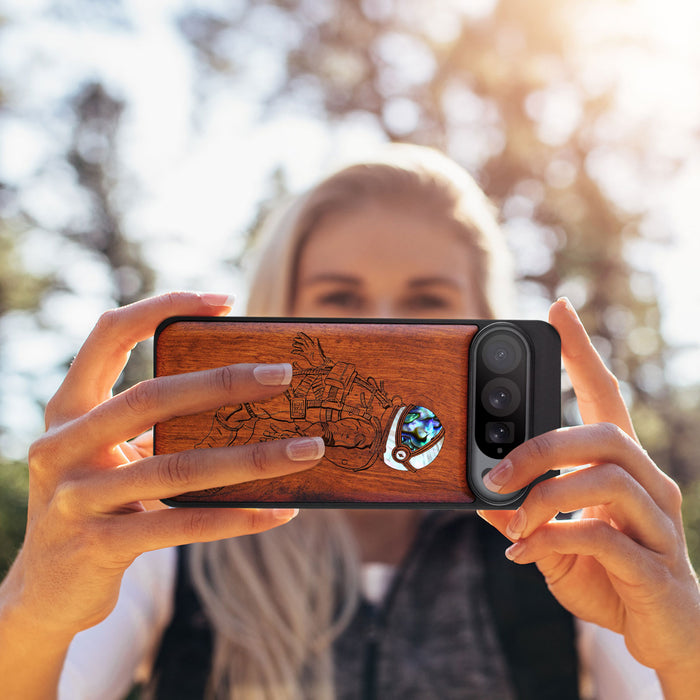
[(499, 432), (502, 353), (501, 396)]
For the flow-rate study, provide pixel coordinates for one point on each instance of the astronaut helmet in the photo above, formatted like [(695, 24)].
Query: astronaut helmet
[(414, 440)]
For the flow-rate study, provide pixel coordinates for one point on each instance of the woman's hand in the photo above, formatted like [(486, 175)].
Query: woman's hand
[(89, 515), (623, 564)]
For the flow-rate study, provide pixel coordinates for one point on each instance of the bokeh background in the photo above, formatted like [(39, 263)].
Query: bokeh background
[(141, 141)]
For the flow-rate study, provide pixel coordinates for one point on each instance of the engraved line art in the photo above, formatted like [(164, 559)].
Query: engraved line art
[(354, 414)]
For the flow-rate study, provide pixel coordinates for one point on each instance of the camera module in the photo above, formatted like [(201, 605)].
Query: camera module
[(501, 395), (505, 359)]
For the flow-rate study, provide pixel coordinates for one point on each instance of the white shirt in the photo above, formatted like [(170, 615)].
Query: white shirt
[(104, 661)]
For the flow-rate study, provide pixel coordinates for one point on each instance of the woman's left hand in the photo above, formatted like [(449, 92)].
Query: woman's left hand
[(623, 564)]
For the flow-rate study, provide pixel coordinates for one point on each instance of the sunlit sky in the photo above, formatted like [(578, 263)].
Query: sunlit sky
[(186, 185)]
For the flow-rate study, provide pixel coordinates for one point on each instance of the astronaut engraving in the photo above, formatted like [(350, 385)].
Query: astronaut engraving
[(355, 416)]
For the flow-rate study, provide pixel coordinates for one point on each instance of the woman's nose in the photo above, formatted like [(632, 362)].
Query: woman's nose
[(383, 308)]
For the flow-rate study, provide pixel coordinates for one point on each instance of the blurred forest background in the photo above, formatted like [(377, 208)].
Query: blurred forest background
[(580, 119)]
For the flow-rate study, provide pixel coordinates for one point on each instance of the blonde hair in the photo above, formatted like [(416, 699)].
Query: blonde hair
[(404, 175), (277, 600)]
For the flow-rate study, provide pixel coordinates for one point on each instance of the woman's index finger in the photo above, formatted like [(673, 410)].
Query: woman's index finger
[(596, 387), (106, 350)]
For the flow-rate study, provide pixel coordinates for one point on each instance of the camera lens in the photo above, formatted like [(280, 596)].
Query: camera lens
[(502, 353), (499, 432), (500, 396)]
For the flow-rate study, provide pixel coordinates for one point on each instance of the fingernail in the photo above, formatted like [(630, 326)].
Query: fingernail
[(498, 476), (218, 299), (303, 449), (273, 375), (285, 514), (516, 525), (569, 306), (515, 550)]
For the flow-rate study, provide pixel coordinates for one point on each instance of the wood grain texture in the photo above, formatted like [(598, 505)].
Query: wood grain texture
[(351, 381)]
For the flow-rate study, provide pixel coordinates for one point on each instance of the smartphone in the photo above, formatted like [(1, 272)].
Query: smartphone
[(413, 413)]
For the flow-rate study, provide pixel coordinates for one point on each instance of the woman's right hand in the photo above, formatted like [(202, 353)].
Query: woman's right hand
[(88, 513)]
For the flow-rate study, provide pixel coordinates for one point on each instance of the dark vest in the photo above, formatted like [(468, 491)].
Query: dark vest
[(460, 621)]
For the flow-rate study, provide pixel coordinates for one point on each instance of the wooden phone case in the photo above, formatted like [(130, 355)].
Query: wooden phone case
[(389, 398)]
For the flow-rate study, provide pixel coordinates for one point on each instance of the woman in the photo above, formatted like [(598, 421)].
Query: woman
[(412, 236)]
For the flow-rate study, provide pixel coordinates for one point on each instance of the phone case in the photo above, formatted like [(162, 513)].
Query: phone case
[(389, 398)]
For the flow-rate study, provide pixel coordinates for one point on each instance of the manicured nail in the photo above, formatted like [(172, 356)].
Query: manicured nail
[(516, 525), (218, 299), (569, 306), (515, 550), (285, 514), (305, 449), (498, 476), (273, 375)]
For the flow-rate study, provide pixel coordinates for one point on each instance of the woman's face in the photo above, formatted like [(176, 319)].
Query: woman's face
[(385, 261)]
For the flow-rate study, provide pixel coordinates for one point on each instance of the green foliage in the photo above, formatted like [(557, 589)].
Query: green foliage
[(14, 483), (18, 289), (691, 521)]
